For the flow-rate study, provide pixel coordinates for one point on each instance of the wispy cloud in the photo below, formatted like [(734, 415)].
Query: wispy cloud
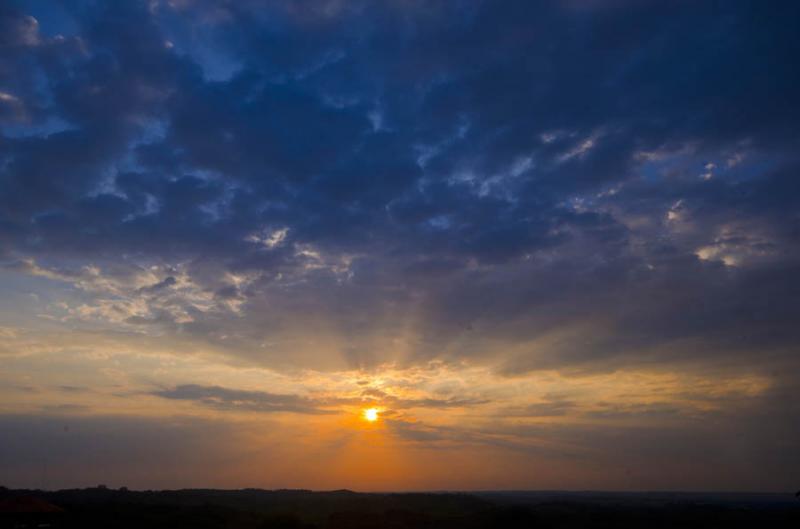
[(239, 400)]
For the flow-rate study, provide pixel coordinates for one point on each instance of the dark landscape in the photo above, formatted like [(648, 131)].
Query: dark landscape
[(343, 509)]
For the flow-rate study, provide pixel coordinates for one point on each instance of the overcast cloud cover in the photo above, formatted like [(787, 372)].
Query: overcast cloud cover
[(548, 229)]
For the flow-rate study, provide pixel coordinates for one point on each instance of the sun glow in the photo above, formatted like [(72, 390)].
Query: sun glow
[(371, 414)]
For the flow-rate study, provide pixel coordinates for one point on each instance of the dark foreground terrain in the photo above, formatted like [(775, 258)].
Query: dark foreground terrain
[(259, 509)]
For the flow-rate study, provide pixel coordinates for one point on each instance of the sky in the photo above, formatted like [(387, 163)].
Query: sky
[(555, 245)]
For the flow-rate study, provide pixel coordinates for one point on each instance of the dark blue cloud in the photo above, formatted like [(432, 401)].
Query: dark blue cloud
[(622, 177)]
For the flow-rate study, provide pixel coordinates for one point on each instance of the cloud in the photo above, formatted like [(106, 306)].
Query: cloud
[(273, 183), (399, 403), (227, 399), (239, 400)]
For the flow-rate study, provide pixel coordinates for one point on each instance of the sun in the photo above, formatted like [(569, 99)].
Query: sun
[(371, 414)]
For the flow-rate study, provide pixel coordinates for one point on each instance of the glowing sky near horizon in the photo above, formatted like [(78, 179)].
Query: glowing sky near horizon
[(552, 245)]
